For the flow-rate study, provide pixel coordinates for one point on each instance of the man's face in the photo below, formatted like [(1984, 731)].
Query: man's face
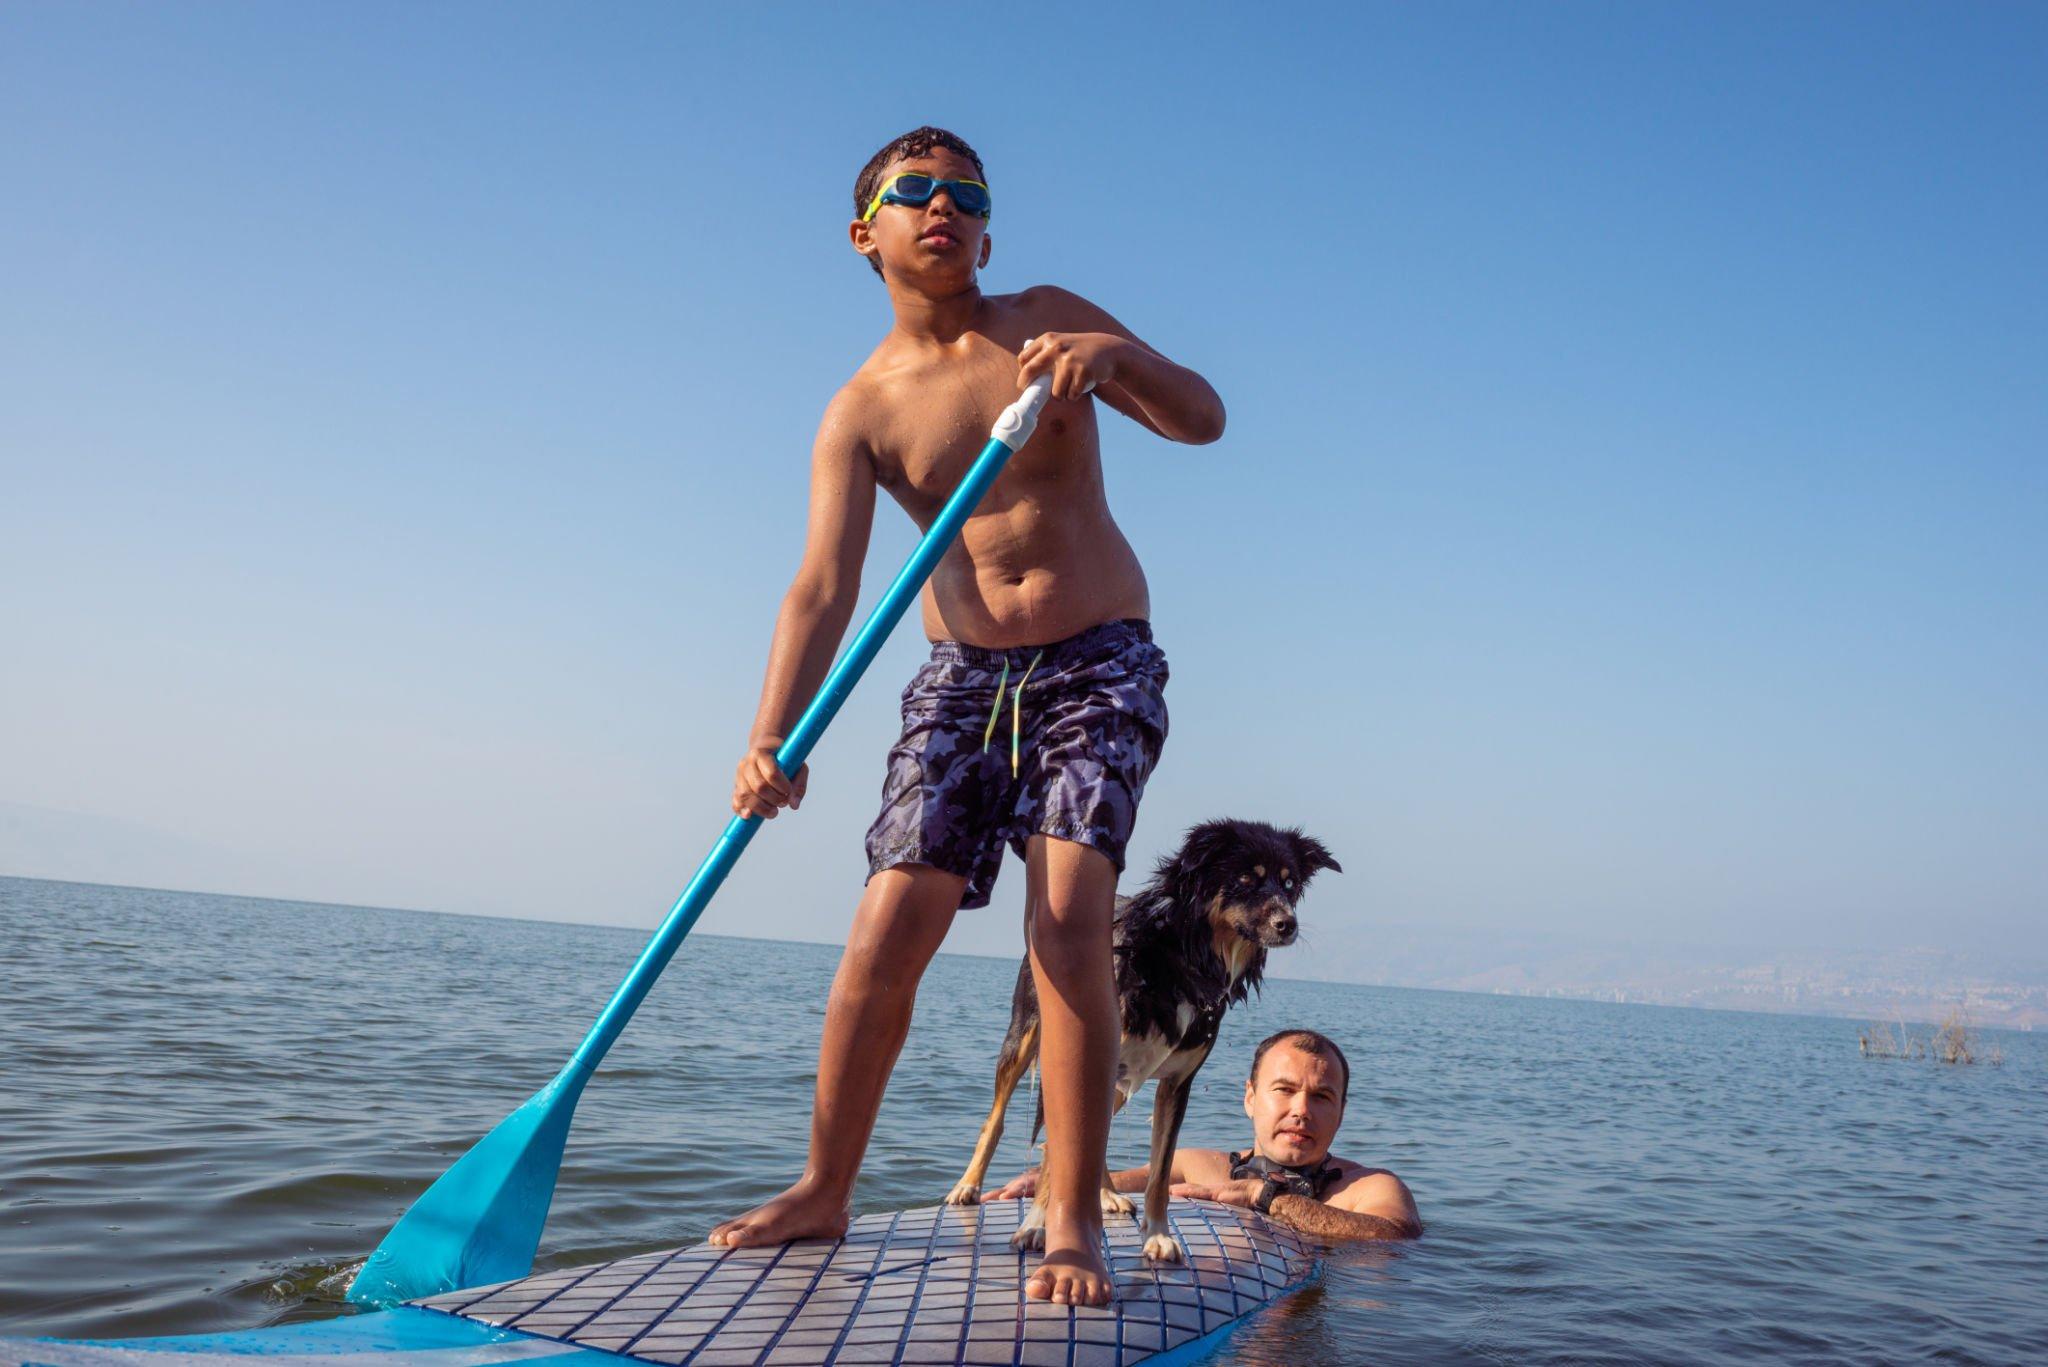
[(1294, 1105), (932, 241)]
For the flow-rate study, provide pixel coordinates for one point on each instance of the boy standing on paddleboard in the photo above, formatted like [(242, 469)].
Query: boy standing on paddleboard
[(1041, 712)]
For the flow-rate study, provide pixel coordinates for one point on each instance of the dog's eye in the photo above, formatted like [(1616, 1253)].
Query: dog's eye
[(1244, 879)]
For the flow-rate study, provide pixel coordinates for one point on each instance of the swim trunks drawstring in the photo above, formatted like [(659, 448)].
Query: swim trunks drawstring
[(988, 732), (1016, 711)]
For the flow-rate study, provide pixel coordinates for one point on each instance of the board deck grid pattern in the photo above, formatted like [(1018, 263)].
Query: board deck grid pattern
[(930, 1286)]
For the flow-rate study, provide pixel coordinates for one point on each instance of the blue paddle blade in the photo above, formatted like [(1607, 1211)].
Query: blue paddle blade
[(482, 1221)]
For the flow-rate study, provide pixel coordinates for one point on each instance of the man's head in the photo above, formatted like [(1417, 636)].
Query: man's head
[(937, 243), (1295, 1096)]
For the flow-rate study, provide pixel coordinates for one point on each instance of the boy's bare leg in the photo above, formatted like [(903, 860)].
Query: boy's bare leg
[(1071, 895), (902, 919)]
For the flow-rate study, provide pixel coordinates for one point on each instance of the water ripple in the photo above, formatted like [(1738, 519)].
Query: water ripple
[(209, 1124)]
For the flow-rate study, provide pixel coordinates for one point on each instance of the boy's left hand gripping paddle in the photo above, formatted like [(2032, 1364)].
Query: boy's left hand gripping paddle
[(482, 1221)]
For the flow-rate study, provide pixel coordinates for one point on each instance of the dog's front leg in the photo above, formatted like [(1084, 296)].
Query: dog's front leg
[(1169, 1108), (1030, 1233), (1114, 1202)]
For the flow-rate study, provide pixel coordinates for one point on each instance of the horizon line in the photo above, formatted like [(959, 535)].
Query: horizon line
[(960, 954)]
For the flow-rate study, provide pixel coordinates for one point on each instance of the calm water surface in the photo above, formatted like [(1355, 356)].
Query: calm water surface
[(211, 1108)]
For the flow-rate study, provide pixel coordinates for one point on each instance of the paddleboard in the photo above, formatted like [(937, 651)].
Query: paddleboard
[(939, 1285)]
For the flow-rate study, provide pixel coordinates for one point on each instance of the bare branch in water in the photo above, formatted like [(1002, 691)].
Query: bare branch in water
[(1956, 1042)]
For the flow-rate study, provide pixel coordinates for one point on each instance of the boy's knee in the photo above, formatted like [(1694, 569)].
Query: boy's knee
[(1057, 858), (1065, 941), (892, 938), (1076, 917), (886, 953)]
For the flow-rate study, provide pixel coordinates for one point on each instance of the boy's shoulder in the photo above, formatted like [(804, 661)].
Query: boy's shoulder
[(873, 391), (869, 391), (1055, 306), (1010, 321), (1040, 296), (849, 410)]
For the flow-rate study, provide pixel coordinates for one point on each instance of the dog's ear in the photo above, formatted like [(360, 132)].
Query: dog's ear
[(1313, 854), (1207, 842), (1190, 872)]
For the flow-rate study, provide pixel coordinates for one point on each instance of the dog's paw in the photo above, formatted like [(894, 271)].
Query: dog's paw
[(1162, 1248), (964, 1193), (1029, 1238), (1116, 1203)]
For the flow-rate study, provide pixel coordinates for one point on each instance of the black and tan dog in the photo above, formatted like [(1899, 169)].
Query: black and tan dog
[(1190, 945)]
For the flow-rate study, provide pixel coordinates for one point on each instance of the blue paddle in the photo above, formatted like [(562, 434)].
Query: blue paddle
[(481, 1222)]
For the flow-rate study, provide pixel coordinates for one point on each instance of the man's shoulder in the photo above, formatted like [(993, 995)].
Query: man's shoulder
[(1361, 1186), (1207, 1162), (1359, 1172)]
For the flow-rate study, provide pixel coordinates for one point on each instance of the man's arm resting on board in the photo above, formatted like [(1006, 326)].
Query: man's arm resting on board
[(1376, 1206), (1311, 1216)]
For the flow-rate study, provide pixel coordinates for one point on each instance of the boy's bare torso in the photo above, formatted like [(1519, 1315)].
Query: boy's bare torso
[(1041, 558)]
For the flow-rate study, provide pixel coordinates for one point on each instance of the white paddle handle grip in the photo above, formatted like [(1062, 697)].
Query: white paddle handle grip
[(1020, 419)]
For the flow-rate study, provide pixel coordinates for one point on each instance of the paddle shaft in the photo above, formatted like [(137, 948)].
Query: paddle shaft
[(1011, 431)]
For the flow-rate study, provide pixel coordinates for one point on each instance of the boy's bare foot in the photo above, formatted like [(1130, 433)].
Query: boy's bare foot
[(1073, 1272), (805, 1211)]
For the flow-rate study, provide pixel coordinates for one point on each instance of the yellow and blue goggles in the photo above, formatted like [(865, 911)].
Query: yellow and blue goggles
[(915, 188)]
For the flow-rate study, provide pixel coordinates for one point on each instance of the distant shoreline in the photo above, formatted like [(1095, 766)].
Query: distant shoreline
[(1927, 1011)]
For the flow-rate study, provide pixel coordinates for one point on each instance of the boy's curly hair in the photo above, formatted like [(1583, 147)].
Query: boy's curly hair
[(916, 143)]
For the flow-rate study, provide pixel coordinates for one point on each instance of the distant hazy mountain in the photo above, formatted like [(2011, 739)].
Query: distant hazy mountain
[(1872, 982), (1917, 982), (45, 842)]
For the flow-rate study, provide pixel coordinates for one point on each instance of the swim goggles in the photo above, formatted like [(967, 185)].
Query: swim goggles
[(915, 188)]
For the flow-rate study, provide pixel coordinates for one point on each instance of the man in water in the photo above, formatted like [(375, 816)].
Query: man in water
[(1295, 1097)]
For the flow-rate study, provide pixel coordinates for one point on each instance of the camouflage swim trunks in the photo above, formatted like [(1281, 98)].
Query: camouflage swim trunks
[(1001, 745)]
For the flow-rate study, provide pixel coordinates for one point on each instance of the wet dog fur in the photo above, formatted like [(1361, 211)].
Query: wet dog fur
[(1188, 946)]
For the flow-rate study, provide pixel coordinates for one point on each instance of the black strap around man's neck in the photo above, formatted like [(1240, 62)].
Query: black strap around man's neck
[(1310, 1180)]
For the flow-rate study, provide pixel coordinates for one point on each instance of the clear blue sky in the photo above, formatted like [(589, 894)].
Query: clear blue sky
[(1631, 520)]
